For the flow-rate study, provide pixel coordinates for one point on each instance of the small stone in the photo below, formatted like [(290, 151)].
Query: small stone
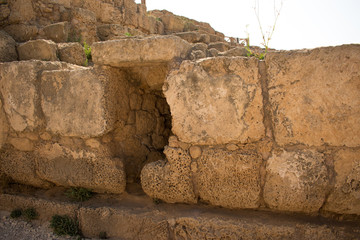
[(173, 142), (22, 144), (93, 143), (232, 147), (45, 136), (195, 151)]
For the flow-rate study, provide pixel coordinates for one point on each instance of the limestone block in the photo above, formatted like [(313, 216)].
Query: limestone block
[(197, 54), (57, 32), (235, 52), (314, 96), (21, 167), (79, 102), (4, 12), (199, 46), (21, 11), (139, 51), (4, 126), (221, 46), (91, 169), (148, 77), (345, 198), (38, 49), (169, 181), (229, 178), (212, 52), (7, 48), (296, 181), (72, 53), (191, 37), (216, 101), (22, 32), (83, 24), (22, 144), (19, 86)]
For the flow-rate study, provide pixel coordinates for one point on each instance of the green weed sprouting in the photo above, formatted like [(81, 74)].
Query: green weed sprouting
[(30, 214), (79, 194), (87, 50), (127, 34), (64, 225)]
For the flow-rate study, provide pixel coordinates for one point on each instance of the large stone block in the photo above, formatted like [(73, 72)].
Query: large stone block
[(38, 49), (7, 48), (19, 86), (4, 126), (169, 181), (216, 101), (296, 181), (228, 178), (72, 53), (314, 96), (22, 32), (80, 102), (57, 32), (345, 198), (21, 11), (132, 52), (91, 169)]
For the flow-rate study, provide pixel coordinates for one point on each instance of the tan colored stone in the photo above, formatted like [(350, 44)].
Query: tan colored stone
[(173, 142), (314, 96), (149, 77), (80, 102), (93, 143), (220, 46), (145, 122), (232, 147), (169, 181), (83, 23), (7, 48), (116, 31), (21, 11), (229, 178), (67, 166), (197, 54), (22, 32), (45, 136), (72, 53), (216, 101), (57, 32), (21, 167), (4, 12), (345, 198), (195, 151), (4, 126), (40, 49), (296, 181), (191, 37), (212, 52), (235, 52), (199, 46), (22, 144), (139, 51), (19, 86)]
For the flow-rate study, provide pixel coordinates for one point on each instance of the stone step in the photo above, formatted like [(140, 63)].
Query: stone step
[(136, 216)]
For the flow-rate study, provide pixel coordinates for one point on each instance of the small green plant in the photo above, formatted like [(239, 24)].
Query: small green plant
[(87, 50), (102, 235), (30, 214), (158, 19), (79, 194), (16, 213), (64, 225), (127, 34)]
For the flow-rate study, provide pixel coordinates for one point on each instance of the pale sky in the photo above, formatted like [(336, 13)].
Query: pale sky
[(301, 24)]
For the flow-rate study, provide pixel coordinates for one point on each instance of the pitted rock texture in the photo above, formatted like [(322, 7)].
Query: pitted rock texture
[(72, 53), (4, 126), (345, 198), (132, 52), (314, 96), (296, 181), (216, 101), (92, 169), (169, 180), (228, 178), (19, 87), (40, 49), (79, 102), (57, 32), (7, 48)]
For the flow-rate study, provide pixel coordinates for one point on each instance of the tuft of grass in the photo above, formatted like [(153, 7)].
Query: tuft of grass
[(16, 213), (64, 225), (87, 50), (127, 34), (30, 214), (79, 194)]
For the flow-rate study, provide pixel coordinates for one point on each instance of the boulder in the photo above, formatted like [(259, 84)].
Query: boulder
[(80, 102), (57, 32), (228, 178), (235, 52), (191, 37), (220, 46), (216, 101), (345, 198), (132, 52), (314, 96), (21, 11), (296, 181), (19, 87), (40, 49), (169, 181), (116, 31), (72, 53), (83, 25), (22, 32), (91, 169), (7, 48), (197, 54)]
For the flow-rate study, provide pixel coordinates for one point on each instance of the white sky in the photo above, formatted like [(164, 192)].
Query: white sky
[(302, 23)]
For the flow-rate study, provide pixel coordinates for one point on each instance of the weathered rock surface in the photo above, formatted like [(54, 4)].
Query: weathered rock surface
[(216, 101), (19, 87), (345, 198), (7, 48), (191, 37), (220, 46), (22, 32), (40, 49), (228, 178), (57, 32), (115, 31), (132, 52), (79, 102), (21, 11), (90, 169), (4, 126), (296, 181), (235, 52), (72, 53), (169, 181), (306, 106)]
